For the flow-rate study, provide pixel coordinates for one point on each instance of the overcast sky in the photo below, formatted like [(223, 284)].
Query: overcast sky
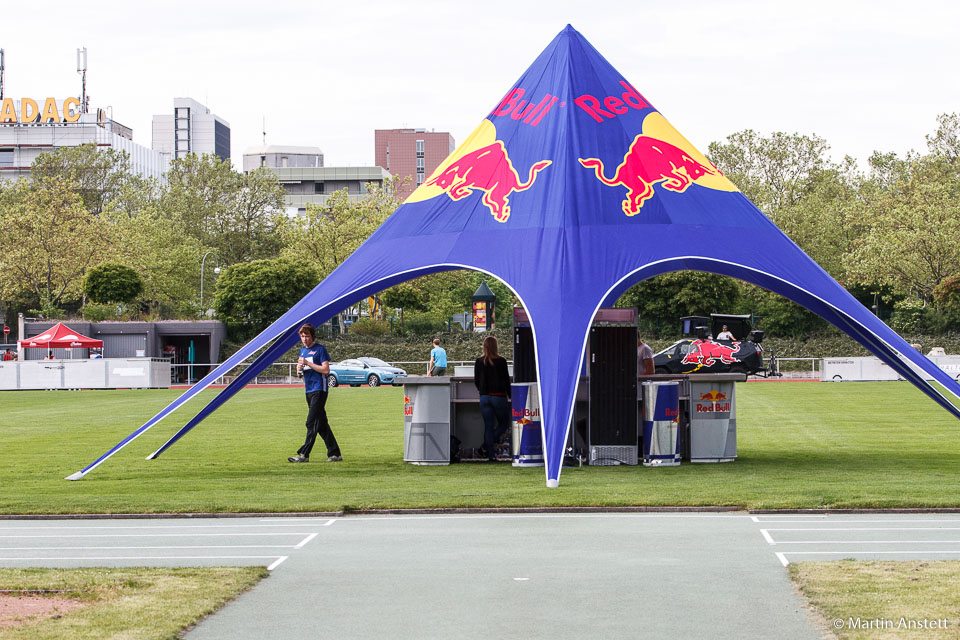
[(863, 75)]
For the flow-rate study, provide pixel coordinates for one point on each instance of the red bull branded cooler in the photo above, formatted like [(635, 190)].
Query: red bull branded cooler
[(527, 440), (661, 423)]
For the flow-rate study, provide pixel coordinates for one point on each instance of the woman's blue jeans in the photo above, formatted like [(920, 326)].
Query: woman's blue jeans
[(496, 420)]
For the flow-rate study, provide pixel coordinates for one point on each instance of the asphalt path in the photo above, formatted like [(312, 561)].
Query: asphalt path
[(531, 575)]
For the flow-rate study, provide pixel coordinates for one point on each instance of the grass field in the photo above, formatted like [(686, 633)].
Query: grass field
[(143, 603), (863, 444), (917, 599)]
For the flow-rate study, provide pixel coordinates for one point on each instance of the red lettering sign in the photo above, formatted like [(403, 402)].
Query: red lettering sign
[(519, 109), (612, 106)]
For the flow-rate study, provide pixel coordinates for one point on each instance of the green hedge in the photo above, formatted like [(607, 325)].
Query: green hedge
[(465, 345)]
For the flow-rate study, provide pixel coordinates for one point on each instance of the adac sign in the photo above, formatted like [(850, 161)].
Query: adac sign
[(32, 112)]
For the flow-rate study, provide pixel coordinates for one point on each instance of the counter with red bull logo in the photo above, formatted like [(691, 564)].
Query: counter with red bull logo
[(442, 421), (713, 420), (443, 424)]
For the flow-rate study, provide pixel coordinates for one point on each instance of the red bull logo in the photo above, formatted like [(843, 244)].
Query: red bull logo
[(713, 407), (407, 406), (647, 162), (713, 396), (706, 353), (490, 170), (521, 415)]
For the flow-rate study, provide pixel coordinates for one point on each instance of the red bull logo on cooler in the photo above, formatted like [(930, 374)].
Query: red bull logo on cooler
[(713, 402), (523, 415), (713, 396), (647, 162), (488, 169), (707, 353)]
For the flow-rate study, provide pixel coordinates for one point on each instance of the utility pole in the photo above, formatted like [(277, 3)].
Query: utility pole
[(82, 70)]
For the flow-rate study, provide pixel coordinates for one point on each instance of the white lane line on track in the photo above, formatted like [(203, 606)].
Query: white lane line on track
[(306, 540), (474, 516), (767, 536), (785, 542), (842, 521), (329, 522), (783, 559), (186, 546), (864, 552), (277, 563), (862, 529), (98, 558), (279, 522), (161, 535)]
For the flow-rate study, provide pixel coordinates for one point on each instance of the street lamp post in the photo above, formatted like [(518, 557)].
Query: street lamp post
[(216, 270)]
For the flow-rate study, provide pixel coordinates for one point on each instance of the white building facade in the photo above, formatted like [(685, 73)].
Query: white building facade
[(29, 128), (305, 180), (191, 128)]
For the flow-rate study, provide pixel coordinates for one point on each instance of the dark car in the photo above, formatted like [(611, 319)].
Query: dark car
[(693, 355)]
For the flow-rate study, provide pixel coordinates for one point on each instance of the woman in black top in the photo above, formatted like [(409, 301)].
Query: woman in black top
[(493, 382)]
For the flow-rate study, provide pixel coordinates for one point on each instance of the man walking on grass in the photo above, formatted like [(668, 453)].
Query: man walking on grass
[(314, 365)]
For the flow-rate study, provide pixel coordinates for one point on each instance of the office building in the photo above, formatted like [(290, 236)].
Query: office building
[(30, 127), (412, 153), (304, 178), (191, 128)]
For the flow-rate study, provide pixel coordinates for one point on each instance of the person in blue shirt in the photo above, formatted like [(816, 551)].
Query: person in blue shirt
[(438, 360), (314, 364)]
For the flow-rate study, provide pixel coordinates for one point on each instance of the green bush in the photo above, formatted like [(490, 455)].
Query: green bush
[(107, 283), (423, 323), (368, 327), (908, 316), (93, 312)]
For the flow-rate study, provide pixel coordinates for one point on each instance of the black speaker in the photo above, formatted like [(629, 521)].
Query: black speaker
[(613, 386)]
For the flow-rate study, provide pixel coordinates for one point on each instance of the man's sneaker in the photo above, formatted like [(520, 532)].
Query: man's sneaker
[(335, 459), (298, 458)]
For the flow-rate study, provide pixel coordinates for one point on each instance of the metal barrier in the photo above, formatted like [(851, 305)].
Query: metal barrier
[(815, 364), (189, 376), (411, 367)]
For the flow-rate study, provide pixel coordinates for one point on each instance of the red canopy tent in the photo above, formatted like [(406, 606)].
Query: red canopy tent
[(60, 336)]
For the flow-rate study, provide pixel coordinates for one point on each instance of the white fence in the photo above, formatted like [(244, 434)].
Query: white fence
[(872, 368), (97, 373)]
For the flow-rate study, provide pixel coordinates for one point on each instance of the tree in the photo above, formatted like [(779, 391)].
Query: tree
[(773, 172), (325, 235), (403, 296), (166, 257), (946, 141), (112, 283), (912, 226), (254, 294), (50, 239), (102, 178), (237, 215), (668, 297)]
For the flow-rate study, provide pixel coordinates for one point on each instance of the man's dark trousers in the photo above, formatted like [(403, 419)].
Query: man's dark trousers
[(317, 424)]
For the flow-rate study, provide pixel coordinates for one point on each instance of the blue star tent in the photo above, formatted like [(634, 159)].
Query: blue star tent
[(571, 190)]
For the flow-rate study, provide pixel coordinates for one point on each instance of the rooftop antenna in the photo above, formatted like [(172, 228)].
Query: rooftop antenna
[(264, 127), (82, 70), (1, 74)]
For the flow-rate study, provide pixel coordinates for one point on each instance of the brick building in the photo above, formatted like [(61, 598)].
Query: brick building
[(411, 152)]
